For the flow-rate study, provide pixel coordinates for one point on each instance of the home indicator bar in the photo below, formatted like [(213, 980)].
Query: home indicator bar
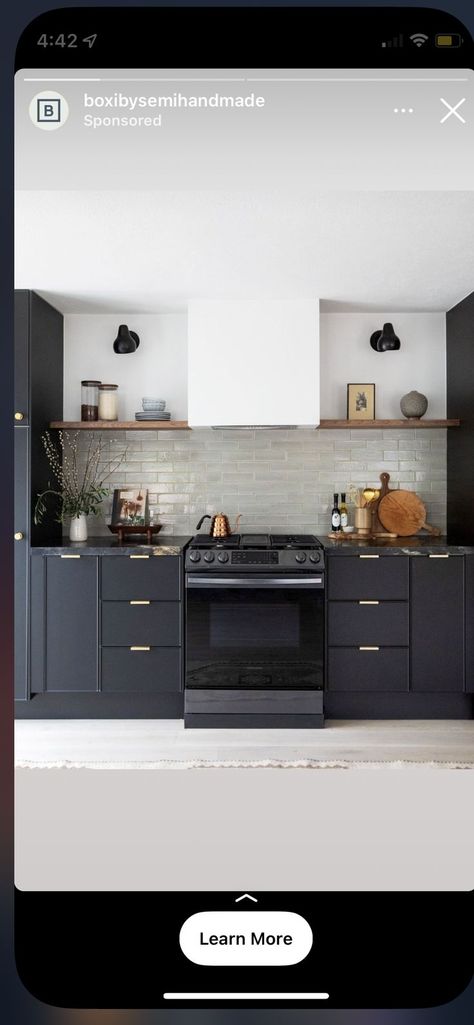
[(246, 996)]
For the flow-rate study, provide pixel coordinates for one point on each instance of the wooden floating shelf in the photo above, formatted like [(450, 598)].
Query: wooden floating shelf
[(120, 425), (377, 424)]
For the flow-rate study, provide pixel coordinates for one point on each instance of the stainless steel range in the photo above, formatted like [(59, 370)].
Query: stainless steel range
[(255, 631)]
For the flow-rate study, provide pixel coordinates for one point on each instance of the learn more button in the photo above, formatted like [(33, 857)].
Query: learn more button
[(246, 938)]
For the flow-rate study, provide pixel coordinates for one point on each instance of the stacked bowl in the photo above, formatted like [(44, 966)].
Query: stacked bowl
[(153, 409)]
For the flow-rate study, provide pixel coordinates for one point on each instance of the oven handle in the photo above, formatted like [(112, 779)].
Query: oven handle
[(255, 582)]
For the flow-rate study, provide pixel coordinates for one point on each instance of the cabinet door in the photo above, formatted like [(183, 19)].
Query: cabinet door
[(21, 385), (71, 623), (149, 577), (21, 563), (469, 620), (437, 623), (368, 576)]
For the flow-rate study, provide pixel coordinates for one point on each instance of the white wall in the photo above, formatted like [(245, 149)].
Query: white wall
[(158, 368), (346, 356)]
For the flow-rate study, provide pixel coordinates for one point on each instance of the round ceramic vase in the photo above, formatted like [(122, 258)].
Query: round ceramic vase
[(414, 405)]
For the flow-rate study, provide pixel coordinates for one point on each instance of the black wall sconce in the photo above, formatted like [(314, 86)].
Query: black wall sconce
[(126, 341), (385, 340)]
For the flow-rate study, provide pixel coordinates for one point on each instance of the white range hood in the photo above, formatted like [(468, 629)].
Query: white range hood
[(253, 363)]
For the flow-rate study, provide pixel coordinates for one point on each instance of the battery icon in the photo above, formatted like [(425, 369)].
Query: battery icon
[(451, 39)]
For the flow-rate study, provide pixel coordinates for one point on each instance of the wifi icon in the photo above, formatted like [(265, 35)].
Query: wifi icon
[(418, 38)]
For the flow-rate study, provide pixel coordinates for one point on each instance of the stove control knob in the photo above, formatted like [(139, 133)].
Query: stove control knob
[(314, 557), (195, 556), (300, 557), (223, 557), (209, 557)]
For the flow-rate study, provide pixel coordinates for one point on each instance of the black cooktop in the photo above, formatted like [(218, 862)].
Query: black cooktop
[(248, 541)]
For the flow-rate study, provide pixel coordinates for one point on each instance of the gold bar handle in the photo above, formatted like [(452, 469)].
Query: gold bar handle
[(369, 647), (139, 556), (139, 647), (139, 603), (369, 603), (369, 556), (444, 556), (69, 556)]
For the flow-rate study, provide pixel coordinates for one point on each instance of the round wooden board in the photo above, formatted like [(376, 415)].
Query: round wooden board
[(403, 512)]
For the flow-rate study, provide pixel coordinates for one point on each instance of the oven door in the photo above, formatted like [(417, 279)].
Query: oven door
[(254, 633)]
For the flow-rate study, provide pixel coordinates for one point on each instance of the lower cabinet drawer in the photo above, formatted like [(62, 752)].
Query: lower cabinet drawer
[(150, 672), (356, 623), (155, 623), (227, 702), (350, 669)]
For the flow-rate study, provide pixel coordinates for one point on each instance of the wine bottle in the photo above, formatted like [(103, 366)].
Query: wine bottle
[(335, 515), (343, 510)]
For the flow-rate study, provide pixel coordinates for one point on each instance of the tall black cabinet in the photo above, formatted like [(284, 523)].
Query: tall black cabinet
[(38, 399), (460, 403)]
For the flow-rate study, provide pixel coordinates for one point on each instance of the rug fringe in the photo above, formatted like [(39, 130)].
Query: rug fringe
[(308, 763)]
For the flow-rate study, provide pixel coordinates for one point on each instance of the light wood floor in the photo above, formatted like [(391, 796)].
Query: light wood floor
[(145, 740)]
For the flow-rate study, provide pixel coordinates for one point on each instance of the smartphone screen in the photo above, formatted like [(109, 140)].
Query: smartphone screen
[(244, 553)]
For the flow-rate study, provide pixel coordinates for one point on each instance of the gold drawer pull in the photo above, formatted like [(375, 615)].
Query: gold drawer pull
[(369, 647), (139, 556), (139, 603), (19, 416), (19, 535), (445, 556), (369, 556), (69, 556), (369, 603), (139, 647)]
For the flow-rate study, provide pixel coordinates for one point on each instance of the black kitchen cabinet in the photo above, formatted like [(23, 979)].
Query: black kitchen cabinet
[(400, 636), (368, 576), (70, 624), (368, 668), (469, 622), (124, 654), (38, 396), (21, 561), (437, 623), (137, 576), (141, 622), (368, 622), (141, 669)]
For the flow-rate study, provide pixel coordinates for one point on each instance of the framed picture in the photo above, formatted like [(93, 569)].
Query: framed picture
[(361, 401), (130, 506)]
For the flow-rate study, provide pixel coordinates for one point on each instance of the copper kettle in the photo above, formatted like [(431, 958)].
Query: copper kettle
[(220, 526)]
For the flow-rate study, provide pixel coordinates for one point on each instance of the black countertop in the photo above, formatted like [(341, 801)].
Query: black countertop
[(423, 544), (172, 544)]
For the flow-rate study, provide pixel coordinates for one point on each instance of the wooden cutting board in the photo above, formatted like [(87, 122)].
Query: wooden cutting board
[(403, 513)]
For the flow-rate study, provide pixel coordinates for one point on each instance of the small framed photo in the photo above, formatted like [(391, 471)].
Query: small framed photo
[(130, 507), (361, 401)]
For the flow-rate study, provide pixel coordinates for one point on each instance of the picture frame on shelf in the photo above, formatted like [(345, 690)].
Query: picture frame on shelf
[(361, 401), (130, 507)]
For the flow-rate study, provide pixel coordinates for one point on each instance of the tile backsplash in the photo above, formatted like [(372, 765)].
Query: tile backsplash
[(277, 480)]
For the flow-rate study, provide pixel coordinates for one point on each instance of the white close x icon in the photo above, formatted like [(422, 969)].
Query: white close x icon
[(453, 110)]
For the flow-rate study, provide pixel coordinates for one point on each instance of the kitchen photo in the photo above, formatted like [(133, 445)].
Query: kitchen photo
[(244, 504)]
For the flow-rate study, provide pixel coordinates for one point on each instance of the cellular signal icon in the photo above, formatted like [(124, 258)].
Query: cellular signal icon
[(419, 39), (395, 42)]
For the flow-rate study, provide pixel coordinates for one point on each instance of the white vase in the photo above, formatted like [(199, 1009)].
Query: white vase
[(78, 528)]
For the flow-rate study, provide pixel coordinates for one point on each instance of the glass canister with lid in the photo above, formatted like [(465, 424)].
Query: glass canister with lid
[(108, 402), (90, 400)]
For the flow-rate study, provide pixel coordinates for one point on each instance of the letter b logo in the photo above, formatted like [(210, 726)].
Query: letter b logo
[(49, 110)]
